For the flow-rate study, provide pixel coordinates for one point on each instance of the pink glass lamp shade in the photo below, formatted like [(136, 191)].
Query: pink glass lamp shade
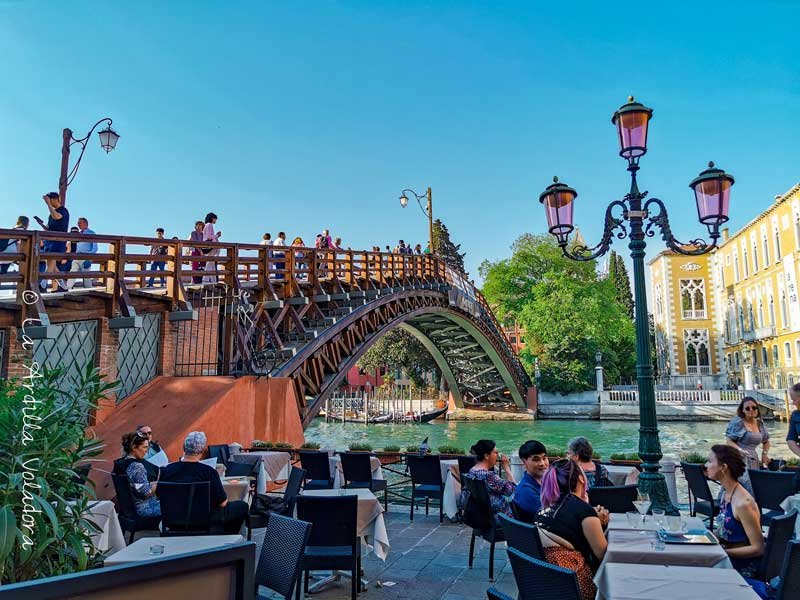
[(558, 202), (631, 120), (712, 191)]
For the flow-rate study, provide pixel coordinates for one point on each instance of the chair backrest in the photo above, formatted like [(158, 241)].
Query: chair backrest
[(279, 562), (615, 498), (770, 488), (238, 469), (425, 470), (293, 486), (221, 452), (697, 481), (316, 464), (465, 463), (538, 579), (520, 514), (185, 506), (125, 504), (522, 536), (789, 588), (356, 466), (495, 594), (478, 512), (334, 519), (781, 530)]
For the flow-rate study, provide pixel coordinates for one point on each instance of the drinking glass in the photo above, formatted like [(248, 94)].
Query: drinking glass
[(633, 519), (659, 517), (156, 549), (673, 523), (642, 504)]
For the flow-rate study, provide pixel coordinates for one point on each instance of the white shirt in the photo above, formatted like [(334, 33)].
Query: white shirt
[(266, 242)]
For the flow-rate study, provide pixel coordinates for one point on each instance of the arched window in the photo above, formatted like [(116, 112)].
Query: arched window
[(755, 256), (766, 248), (736, 275), (736, 357), (771, 311), (778, 381), (776, 359), (787, 351), (777, 243), (784, 310), (760, 312), (693, 298), (750, 314), (741, 320), (695, 342), (764, 356), (746, 264)]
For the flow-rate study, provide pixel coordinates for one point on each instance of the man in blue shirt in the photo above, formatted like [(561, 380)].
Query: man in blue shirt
[(534, 459), (89, 247)]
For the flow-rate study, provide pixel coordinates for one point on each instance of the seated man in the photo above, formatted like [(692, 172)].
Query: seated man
[(226, 517), (527, 495)]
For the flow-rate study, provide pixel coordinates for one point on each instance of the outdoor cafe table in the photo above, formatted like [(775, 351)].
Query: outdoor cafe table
[(622, 475), (617, 581), (337, 473), (635, 547), (371, 525), (139, 550), (103, 514), (275, 466), (620, 521), (236, 488), (452, 487)]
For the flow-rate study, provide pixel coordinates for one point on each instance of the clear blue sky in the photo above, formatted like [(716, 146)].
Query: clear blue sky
[(302, 116)]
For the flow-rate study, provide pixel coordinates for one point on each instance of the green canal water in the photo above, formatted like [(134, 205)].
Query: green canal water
[(607, 437)]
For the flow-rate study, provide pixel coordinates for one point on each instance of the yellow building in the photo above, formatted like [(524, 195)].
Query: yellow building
[(732, 317)]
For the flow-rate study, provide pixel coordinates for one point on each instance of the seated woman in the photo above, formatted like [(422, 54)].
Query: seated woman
[(500, 490), (135, 446), (580, 450), (571, 530), (739, 516)]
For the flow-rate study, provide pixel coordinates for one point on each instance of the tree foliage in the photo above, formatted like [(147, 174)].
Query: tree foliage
[(444, 247), (567, 312), (618, 274), (42, 528), (399, 350)]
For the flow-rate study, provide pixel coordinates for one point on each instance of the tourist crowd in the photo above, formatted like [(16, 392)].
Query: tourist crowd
[(203, 255)]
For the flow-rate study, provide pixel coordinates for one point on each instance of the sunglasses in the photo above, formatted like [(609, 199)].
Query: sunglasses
[(143, 434), (751, 408)]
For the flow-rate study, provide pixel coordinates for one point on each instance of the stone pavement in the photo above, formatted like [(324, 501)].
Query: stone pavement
[(427, 561)]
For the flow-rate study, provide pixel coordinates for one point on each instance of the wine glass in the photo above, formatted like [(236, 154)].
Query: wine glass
[(642, 504)]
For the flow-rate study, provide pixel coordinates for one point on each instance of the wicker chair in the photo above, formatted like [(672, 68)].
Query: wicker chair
[(426, 481), (185, 508), (478, 515), (615, 498), (789, 587), (281, 554), (318, 470), (770, 488), (221, 452), (357, 469), (129, 520), (495, 594), (522, 536), (537, 579), (781, 531), (264, 504)]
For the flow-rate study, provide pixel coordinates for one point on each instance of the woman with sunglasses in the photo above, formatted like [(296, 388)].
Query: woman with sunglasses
[(746, 432)]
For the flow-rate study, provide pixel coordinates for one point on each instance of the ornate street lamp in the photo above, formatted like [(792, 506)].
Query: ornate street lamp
[(108, 141), (712, 195), (427, 210)]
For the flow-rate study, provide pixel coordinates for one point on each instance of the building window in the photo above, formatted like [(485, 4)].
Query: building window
[(778, 381), (797, 228), (693, 298), (741, 320), (754, 357), (766, 249), (787, 351), (695, 343), (737, 358), (755, 256), (736, 268), (764, 356), (776, 359), (659, 301), (771, 312), (777, 244), (746, 264), (760, 312), (513, 339), (784, 310)]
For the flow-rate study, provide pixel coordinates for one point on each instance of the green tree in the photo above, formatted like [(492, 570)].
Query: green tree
[(618, 274), (399, 350), (444, 247), (567, 312)]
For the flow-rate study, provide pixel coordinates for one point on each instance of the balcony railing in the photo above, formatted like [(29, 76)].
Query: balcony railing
[(694, 314), (698, 370), (759, 333)]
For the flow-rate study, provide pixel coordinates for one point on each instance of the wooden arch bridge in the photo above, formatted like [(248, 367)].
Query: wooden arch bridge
[(244, 309)]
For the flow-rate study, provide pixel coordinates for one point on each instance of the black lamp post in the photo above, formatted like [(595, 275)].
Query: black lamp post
[(712, 195), (108, 141), (427, 209)]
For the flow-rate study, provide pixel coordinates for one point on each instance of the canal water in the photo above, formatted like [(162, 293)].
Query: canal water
[(607, 437)]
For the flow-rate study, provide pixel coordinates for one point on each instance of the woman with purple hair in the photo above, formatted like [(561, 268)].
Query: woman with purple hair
[(571, 530)]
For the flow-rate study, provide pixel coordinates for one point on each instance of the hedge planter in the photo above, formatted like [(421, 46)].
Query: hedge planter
[(389, 458)]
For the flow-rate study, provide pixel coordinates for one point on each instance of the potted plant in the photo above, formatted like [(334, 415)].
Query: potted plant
[(389, 455), (792, 464), (261, 445), (554, 455), (630, 459), (310, 446), (359, 447), (694, 458), (447, 451)]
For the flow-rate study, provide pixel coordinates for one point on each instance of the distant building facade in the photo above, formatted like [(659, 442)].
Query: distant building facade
[(732, 317), (515, 335)]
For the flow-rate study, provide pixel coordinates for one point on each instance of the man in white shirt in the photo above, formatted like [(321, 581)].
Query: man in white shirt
[(279, 266), (89, 247)]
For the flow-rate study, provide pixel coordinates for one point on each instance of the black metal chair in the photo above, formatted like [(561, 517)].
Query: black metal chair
[(265, 504), (318, 470), (781, 531), (426, 481), (81, 474), (128, 519), (520, 514), (334, 542), (495, 594), (522, 536), (221, 452), (770, 488), (281, 554), (357, 468), (615, 498), (185, 508), (700, 498), (238, 469), (478, 515), (539, 579), (789, 587), (465, 463)]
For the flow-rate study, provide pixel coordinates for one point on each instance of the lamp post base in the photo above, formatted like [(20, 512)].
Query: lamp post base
[(655, 485)]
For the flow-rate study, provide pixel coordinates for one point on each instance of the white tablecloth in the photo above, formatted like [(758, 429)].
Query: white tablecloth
[(452, 487), (335, 465), (103, 514), (622, 475), (139, 550), (274, 466), (793, 503), (236, 488), (627, 582), (620, 521), (371, 525), (625, 546)]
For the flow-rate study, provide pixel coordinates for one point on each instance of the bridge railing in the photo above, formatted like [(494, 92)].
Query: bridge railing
[(125, 263)]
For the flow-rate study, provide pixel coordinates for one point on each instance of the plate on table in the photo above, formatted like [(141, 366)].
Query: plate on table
[(692, 536)]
